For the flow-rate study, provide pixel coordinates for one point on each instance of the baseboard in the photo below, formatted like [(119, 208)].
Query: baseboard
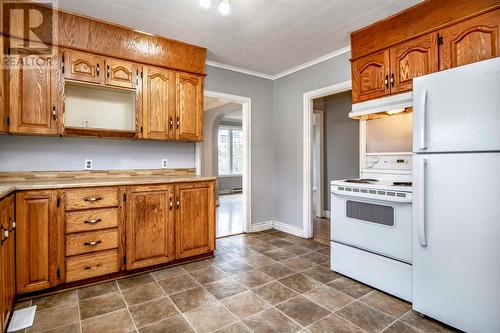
[(261, 226), (289, 229)]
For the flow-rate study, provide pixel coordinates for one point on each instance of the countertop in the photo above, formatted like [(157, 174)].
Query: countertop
[(8, 187)]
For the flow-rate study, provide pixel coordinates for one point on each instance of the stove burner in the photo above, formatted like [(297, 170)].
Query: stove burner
[(402, 183), (361, 181)]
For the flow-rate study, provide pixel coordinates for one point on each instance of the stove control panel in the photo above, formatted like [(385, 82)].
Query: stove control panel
[(388, 162)]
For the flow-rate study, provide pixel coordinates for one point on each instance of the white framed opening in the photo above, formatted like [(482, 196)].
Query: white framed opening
[(246, 104), (318, 162), (307, 141)]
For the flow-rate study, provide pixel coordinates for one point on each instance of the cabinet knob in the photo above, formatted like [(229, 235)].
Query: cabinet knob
[(178, 122), (54, 113), (97, 69), (386, 81), (392, 80), (178, 203), (171, 204)]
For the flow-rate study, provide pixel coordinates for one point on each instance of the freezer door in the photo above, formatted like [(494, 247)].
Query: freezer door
[(456, 239), (458, 109)]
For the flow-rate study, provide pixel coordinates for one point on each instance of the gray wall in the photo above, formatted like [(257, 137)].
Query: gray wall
[(341, 142), (261, 92), (288, 94), (32, 153)]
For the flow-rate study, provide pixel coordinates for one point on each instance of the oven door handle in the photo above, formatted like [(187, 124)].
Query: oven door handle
[(422, 238)]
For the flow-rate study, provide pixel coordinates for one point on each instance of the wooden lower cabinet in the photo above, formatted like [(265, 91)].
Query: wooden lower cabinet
[(7, 260), (38, 240), (150, 225), (195, 219)]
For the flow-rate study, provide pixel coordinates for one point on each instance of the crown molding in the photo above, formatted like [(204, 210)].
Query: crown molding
[(284, 73)]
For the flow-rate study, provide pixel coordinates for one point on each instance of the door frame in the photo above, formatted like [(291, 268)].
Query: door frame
[(246, 103), (320, 167), (308, 97)]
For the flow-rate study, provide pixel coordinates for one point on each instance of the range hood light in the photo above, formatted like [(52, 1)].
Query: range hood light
[(395, 111), (382, 107)]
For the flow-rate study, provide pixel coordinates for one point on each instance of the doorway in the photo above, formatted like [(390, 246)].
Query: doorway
[(225, 154)]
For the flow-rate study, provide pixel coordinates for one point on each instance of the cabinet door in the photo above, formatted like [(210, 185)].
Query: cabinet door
[(370, 77), (3, 106), (121, 74), (470, 41), (189, 117), (7, 256), (158, 103), (195, 219), (34, 99), (81, 66), (414, 58), (38, 254), (150, 217)]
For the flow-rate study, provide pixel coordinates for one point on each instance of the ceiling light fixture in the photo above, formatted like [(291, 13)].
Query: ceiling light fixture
[(205, 4), (224, 7)]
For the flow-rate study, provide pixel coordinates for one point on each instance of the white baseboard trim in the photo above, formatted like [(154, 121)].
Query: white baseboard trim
[(261, 226), (289, 229)]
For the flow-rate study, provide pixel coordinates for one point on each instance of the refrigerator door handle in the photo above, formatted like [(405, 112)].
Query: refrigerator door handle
[(422, 114), (421, 203)]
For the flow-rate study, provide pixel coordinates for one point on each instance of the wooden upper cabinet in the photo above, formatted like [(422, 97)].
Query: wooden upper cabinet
[(150, 225), (470, 41), (85, 67), (38, 251), (370, 77), (189, 117), (158, 100), (414, 58), (35, 102), (121, 74), (195, 219)]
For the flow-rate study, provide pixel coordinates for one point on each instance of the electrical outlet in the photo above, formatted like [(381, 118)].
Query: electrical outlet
[(86, 123), (164, 163), (89, 164)]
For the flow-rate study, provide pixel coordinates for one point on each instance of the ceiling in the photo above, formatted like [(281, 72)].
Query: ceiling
[(268, 37)]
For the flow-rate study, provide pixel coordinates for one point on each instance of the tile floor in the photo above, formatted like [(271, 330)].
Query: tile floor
[(321, 230), (267, 282), (230, 215)]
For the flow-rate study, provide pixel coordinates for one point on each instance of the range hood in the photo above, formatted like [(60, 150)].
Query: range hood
[(382, 107)]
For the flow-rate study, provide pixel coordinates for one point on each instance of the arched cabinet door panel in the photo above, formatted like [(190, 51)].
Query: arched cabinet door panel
[(414, 58), (189, 116), (82, 66), (470, 41), (370, 77)]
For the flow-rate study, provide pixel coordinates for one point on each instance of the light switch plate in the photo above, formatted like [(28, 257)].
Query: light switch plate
[(164, 163), (89, 165)]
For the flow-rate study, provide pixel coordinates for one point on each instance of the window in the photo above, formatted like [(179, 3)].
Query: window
[(230, 150)]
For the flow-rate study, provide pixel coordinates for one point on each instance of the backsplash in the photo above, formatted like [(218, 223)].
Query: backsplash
[(32, 153)]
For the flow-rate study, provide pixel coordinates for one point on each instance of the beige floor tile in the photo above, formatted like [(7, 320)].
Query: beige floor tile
[(400, 327), (234, 328), (425, 324), (276, 270), (367, 318), (54, 317), (245, 304), (235, 267), (225, 288), (321, 274), (153, 311), (328, 298), (97, 290), (209, 318), (333, 324), (167, 273), (66, 298), (298, 263), (271, 321), (252, 279), (278, 254), (99, 305), (299, 283), (388, 304), (142, 293), (113, 322), (71, 328), (135, 281), (350, 287), (302, 310), (177, 284), (174, 324), (274, 292), (208, 275), (197, 265), (191, 299)]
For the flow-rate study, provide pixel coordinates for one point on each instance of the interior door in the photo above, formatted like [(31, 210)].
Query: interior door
[(458, 109), (470, 41), (150, 225), (34, 99), (189, 117), (414, 58), (37, 240), (158, 103), (195, 219), (370, 77), (456, 271)]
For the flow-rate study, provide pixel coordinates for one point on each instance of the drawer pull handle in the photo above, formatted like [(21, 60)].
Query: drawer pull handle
[(93, 221), (90, 267), (92, 199), (92, 243)]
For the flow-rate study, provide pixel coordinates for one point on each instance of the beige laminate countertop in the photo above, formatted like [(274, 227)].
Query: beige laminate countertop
[(9, 187)]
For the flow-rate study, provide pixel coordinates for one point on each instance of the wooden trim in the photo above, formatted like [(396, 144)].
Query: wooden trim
[(418, 20), (107, 39), (99, 132)]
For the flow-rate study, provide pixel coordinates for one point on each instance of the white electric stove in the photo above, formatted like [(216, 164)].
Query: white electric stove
[(371, 225)]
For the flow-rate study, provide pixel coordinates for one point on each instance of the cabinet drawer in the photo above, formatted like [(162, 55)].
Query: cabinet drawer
[(91, 265), (97, 197), (89, 220), (91, 242)]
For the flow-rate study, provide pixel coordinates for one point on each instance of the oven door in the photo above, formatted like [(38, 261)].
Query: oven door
[(378, 226)]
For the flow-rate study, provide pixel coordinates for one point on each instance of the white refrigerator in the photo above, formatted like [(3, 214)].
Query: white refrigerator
[(456, 203)]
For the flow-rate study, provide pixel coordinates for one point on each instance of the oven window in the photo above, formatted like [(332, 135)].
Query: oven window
[(370, 212)]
